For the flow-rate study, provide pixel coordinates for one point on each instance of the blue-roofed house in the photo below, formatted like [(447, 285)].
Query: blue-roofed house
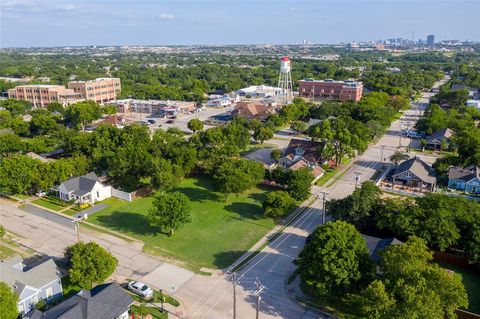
[(465, 179)]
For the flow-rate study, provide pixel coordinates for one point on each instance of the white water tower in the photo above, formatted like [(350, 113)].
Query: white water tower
[(285, 95)]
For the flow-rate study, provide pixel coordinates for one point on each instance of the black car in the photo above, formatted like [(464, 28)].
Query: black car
[(170, 122), (151, 121)]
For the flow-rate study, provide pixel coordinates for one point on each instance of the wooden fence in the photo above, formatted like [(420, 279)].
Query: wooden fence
[(463, 314)]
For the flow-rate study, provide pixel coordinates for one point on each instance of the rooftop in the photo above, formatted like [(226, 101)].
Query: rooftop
[(349, 82), (103, 301)]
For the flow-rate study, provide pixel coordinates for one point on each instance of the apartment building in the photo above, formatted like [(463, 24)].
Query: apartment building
[(40, 95), (330, 89), (100, 90)]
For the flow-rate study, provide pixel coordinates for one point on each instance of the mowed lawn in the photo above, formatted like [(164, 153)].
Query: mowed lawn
[(220, 232)]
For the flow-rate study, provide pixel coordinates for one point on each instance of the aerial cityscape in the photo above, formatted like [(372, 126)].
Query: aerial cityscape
[(239, 159)]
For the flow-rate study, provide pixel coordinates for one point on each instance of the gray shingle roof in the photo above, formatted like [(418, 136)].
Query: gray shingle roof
[(443, 133), (456, 87), (375, 245), (463, 173), (13, 274), (81, 183), (106, 301), (419, 168)]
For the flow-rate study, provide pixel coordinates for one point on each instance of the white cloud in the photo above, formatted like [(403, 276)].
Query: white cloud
[(166, 16)]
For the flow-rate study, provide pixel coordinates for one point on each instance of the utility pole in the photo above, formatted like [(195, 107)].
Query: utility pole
[(77, 221), (257, 294), (234, 295), (357, 178), (381, 155), (324, 199)]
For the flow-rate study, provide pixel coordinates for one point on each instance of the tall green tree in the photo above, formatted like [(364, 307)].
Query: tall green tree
[(17, 174), (90, 263), (8, 302), (235, 176), (262, 134), (299, 183), (195, 125), (335, 261), (82, 113), (411, 287), (277, 204), (170, 211)]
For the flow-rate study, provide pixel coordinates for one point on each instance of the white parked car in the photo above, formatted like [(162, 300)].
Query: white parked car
[(140, 289), (41, 194)]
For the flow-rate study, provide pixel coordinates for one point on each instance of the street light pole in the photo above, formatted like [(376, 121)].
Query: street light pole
[(234, 295)]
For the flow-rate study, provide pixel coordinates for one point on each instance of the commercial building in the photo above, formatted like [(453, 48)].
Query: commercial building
[(259, 91), (154, 107), (40, 95), (330, 89), (430, 39), (100, 90)]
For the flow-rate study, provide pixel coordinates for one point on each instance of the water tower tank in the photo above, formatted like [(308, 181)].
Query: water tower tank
[(285, 65)]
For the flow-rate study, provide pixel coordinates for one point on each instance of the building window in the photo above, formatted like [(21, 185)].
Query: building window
[(98, 194), (408, 174)]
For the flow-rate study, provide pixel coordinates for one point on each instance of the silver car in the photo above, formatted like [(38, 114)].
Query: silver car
[(140, 289)]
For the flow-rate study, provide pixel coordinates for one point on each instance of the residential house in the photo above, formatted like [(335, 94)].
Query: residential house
[(458, 87), (414, 173), (83, 189), (375, 245), (435, 140), (115, 120), (107, 301), (303, 153), (253, 110), (31, 284), (465, 179)]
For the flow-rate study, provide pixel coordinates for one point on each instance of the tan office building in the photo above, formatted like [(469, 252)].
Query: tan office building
[(100, 90), (40, 94)]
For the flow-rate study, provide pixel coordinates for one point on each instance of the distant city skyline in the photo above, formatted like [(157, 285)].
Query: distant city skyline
[(35, 23)]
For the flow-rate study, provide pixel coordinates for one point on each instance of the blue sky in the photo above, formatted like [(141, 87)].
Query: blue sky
[(27, 23)]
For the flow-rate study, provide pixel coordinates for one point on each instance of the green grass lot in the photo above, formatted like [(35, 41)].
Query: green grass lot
[(69, 288), (155, 312), (345, 307), (51, 203), (220, 232), (6, 252), (329, 173), (471, 281), (21, 196)]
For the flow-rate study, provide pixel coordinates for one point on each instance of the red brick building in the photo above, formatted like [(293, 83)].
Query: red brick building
[(330, 89)]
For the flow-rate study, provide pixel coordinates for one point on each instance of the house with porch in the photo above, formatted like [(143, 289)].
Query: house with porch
[(106, 301), (83, 189), (466, 179), (435, 141), (414, 174), (31, 284), (303, 153)]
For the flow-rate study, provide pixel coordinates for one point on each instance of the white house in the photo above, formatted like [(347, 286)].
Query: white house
[(83, 189)]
